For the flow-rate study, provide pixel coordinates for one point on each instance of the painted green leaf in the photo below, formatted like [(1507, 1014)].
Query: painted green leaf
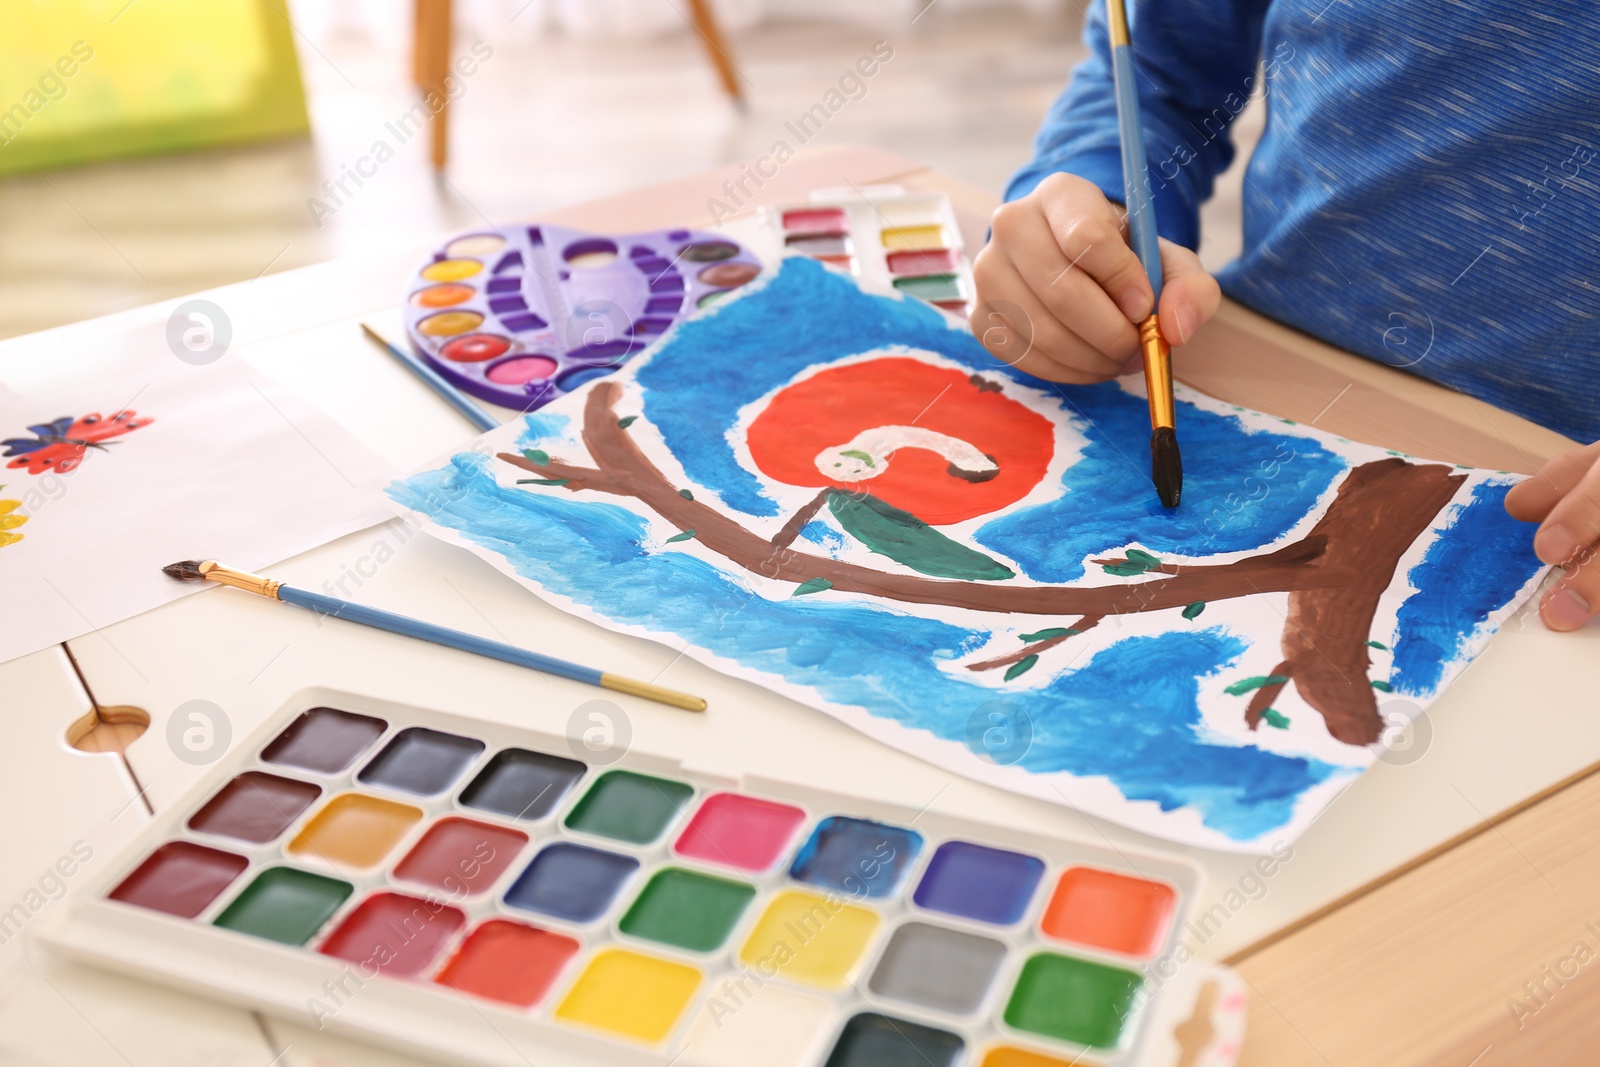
[(908, 540), (856, 453), (813, 585), (687, 535), (1048, 633), (1244, 685), (541, 481), (686, 494), (1022, 666), (1382, 687), (1137, 561), (1194, 610), (626, 421), (536, 455), (1276, 718), (1378, 645)]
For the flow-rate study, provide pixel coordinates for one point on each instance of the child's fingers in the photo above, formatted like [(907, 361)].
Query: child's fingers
[(1532, 500), (1076, 299), (1019, 330), (1574, 602), (1189, 295), (1088, 232), (1566, 496), (1571, 532)]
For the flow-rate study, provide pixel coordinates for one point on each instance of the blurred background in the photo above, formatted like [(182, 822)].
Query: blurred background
[(152, 148)]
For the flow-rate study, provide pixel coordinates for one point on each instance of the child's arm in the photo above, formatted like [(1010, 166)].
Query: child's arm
[(1058, 259), (1565, 498)]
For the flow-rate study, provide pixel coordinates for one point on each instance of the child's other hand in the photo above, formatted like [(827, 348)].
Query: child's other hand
[(1564, 497), (1059, 261)]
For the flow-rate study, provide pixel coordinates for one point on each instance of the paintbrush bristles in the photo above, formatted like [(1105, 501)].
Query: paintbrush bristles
[(185, 570), (1166, 466), (193, 570)]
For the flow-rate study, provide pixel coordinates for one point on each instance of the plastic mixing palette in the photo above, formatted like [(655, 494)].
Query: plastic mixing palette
[(525, 314)]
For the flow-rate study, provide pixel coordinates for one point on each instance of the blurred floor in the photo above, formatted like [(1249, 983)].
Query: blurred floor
[(547, 120)]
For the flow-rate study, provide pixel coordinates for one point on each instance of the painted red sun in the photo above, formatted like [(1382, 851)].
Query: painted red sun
[(935, 441)]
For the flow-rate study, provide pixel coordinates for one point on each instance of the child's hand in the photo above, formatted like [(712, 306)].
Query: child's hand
[(1059, 262), (1565, 498)]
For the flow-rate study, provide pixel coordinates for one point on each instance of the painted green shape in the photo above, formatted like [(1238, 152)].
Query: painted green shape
[(1073, 1000), (1382, 687), (1276, 718), (536, 455), (931, 287), (285, 905), (626, 421), (172, 77), (686, 494), (907, 540), (856, 453), (811, 585), (1137, 561), (1378, 645), (686, 909), (541, 481), (1048, 633), (1193, 610), (1022, 666), (687, 535), (627, 806), (1244, 685)]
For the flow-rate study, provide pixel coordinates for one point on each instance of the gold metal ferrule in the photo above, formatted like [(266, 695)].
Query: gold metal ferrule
[(1117, 22), (1157, 374), (252, 583)]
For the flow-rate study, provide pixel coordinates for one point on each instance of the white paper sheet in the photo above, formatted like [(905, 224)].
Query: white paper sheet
[(844, 498), (229, 467)]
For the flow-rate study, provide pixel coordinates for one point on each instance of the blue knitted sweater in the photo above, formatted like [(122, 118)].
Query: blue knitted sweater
[(1425, 190)]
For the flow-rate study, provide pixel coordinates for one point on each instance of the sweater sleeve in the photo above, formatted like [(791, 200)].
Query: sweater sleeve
[(1197, 63)]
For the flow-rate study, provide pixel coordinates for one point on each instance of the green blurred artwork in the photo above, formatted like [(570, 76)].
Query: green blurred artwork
[(84, 80)]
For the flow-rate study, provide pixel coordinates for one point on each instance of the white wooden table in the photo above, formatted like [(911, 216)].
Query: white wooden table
[(1521, 723)]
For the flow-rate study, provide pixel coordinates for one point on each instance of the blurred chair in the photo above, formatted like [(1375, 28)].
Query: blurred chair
[(430, 61), (84, 80)]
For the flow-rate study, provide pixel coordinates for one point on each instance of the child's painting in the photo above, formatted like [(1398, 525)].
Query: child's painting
[(108, 479), (843, 497)]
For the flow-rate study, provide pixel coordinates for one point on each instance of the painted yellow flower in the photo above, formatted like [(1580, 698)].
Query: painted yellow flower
[(9, 522)]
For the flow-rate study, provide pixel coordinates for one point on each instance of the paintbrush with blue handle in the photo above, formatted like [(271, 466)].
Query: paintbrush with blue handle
[(193, 570), (1166, 467)]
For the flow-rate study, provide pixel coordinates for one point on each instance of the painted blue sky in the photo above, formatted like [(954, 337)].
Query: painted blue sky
[(1242, 489)]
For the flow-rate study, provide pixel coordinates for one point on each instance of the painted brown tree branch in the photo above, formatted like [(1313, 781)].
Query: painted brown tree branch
[(1334, 576)]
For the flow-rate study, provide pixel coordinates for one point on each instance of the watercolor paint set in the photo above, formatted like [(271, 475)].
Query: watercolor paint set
[(472, 892), (891, 239), (521, 316)]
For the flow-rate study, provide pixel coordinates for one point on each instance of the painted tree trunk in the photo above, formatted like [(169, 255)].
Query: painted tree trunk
[(1334, 576)]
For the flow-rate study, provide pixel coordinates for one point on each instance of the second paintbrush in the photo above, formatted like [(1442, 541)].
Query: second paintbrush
[(190, 570), (1166, 467)]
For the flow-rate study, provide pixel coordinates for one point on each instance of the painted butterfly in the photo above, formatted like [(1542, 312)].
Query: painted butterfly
[(61, 444)]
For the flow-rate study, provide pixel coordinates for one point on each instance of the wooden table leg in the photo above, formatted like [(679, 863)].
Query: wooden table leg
[(705, 22), (431, 66)]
